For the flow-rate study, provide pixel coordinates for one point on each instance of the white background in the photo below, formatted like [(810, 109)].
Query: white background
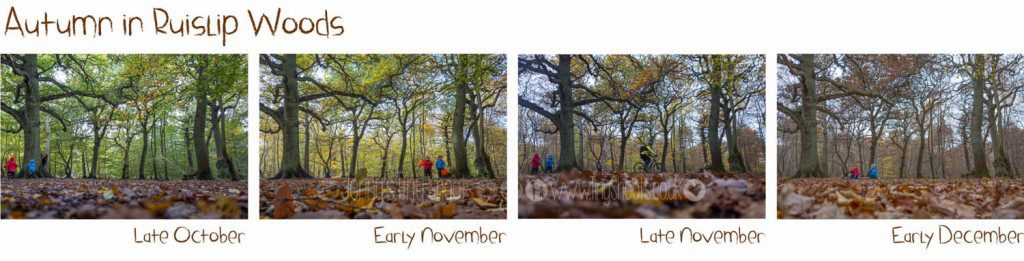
[(530, 26)]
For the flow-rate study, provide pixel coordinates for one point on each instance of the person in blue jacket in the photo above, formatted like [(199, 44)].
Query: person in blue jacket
[(549, 164), (873, 172), (440, 166), (32, 167)]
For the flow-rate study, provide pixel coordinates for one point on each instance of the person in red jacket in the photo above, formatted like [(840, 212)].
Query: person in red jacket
[(855, 173), (535, 164), (427, 166), (11, 167)]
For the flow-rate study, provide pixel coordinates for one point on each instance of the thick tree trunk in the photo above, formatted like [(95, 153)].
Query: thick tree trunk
[(977, 141), (736, 163), (714, 142), (291, 163), (460, 166), (203, 171), (224, 166), (566, 128), (1000, 162), (482, 159), (31, 125), (809, 165)]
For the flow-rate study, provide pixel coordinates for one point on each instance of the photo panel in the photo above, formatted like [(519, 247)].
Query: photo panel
[(900, 136), (641, 136), (124, 136), (382, 136)]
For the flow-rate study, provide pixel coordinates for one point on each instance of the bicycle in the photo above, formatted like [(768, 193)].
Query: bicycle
[(654, 166)]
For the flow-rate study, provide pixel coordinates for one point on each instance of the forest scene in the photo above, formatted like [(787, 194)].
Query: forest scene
[(124, 136), (900, 136), (381, 136), (641, 136)]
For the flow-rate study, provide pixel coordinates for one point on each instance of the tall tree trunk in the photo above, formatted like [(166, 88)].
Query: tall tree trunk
[(145, 145), (1000, 162), (203, 171), (124, 161), (483, 160), (71, 155), (188, 149), (824, 148), (977, 141), (401, 154), (922, 139), (566, 128), (291, 164), (224, 165), (736, 163), (809, 165), (704, 145), (666, 129), (580, 148), (152, 159), (903, 153), (97, 140), (460, 168), (384, 157), (305, 150), (31, 111), (447, 143), (163, 148), (714, 142), (330, 155), (355, 155), (357, 136), (683, 141)]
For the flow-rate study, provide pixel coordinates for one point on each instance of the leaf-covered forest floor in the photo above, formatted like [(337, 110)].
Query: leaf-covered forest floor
[(583, 194), (124, 199), (823, 198), (344, 198)]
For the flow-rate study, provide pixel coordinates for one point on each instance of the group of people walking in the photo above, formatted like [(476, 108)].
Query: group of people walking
[(549, 164)]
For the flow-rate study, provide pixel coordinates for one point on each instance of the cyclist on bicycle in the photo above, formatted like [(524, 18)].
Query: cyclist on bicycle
[(647, 155)]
